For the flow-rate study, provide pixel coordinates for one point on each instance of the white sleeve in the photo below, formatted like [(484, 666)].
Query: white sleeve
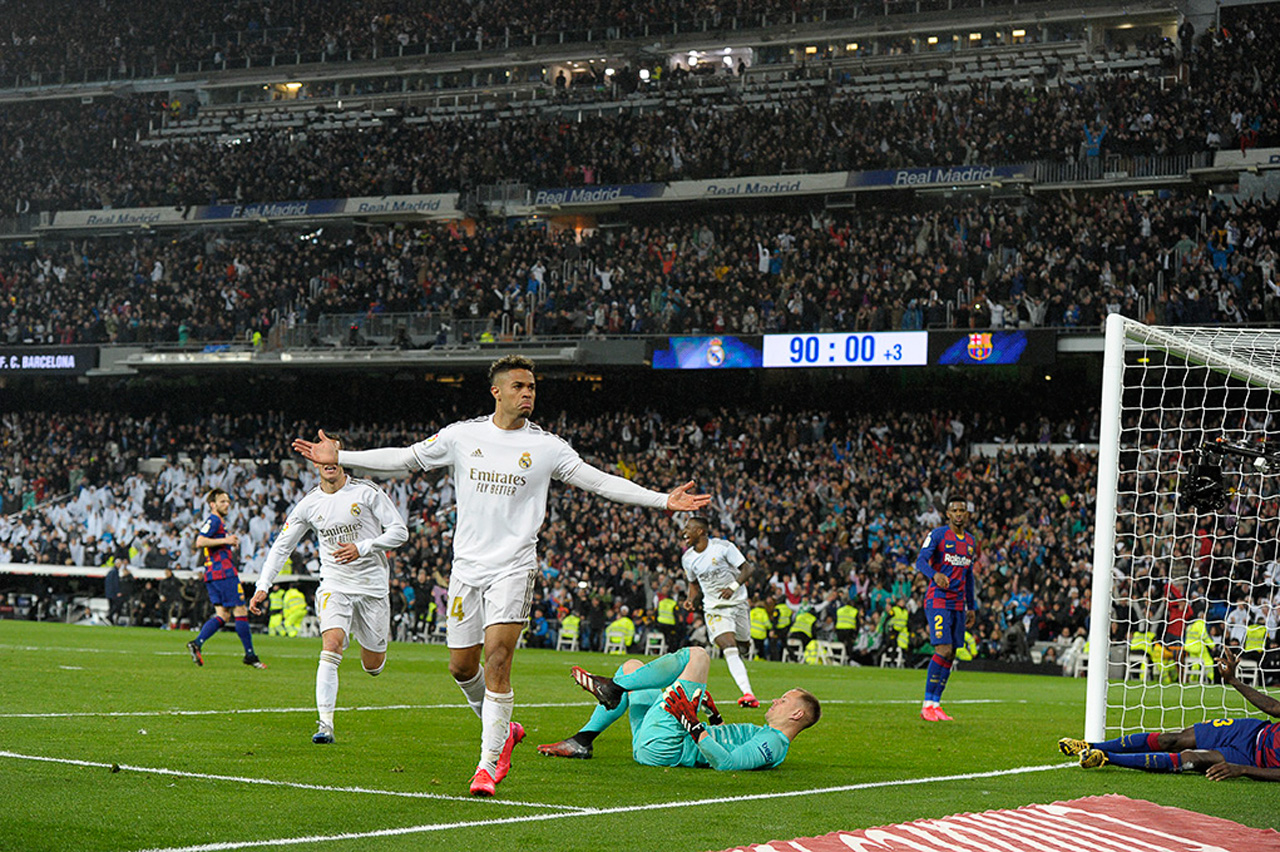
[(615, 488), (294, 529), (394, 530), (388, 461), (733, 555)]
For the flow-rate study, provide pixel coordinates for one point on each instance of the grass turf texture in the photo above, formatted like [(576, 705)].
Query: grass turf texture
[(870, 732)]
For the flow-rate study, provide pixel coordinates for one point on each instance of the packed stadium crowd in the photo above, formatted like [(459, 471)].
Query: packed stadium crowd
[(1055, 261), (832, 514), (65, 41), (74, 156)]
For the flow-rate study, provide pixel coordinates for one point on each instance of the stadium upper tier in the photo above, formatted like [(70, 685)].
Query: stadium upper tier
[(1071, 108), (1051, 260), (59, 42), (127, 152)]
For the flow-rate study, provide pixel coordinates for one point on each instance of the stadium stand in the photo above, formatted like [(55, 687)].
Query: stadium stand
[(80, 489)]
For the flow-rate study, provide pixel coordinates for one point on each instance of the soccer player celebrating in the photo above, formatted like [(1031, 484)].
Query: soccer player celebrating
[(947, 558), (720, 572), (221, 580), (503, 466), (357, 524), (662, 699), (1220, 748)]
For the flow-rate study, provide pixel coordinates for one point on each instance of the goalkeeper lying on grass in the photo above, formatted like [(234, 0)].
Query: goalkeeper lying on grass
[(1220, 748), (662, 698)]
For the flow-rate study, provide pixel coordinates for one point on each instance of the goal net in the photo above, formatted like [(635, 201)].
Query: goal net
[(1187, 534)]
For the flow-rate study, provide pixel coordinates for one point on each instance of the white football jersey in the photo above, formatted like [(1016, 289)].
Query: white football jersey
[(502, 477), (358, 512), (714, 569)]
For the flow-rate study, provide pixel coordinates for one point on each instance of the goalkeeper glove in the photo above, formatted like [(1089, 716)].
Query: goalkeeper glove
[(685, 711), (713, 713)]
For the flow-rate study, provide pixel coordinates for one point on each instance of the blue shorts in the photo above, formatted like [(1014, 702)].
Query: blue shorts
[(1234, 738), (946, 626), (226, 592)]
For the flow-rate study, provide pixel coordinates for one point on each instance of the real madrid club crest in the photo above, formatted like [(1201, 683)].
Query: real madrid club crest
[(715, 352), (355, 509), (980, 347), (526, 462)]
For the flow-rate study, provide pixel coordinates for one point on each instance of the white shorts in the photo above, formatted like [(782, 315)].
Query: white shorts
[(470, 609), (365, 618), (734, 619)]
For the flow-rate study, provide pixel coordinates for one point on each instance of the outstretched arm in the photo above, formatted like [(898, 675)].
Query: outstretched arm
[(623, 490), (388, 461), (1227, 671), (1223, 771)]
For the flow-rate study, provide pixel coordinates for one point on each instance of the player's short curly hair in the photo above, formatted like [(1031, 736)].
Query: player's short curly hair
[(507, 363)]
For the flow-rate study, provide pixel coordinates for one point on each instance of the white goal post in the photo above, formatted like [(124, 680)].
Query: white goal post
[(1167, 555)]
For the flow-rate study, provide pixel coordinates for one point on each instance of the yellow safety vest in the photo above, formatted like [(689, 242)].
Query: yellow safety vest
[(569, 627), (898, 621), (782, 617), (811, 653), (622, 630), (759, 622), (804, 624), (667, 611), (847, 617), (1198, 642), (1255, 637), (970, 649), (275, 610)]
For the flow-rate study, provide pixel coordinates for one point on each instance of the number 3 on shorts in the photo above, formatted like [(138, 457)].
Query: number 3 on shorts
[(456, 610)]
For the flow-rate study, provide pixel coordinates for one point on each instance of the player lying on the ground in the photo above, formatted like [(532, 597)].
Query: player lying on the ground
[(1220, 748), (661, 699)]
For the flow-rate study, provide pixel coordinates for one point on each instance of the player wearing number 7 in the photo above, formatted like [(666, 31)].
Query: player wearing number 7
[(503, 466), (357, 524), (947, 558)]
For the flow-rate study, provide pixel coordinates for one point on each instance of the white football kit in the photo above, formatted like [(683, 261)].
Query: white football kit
[(502, 477), (714, 569), (351, 596)]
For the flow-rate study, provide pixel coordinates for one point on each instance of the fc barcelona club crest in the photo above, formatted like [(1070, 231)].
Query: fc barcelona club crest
[(980, 346), (525, 462)]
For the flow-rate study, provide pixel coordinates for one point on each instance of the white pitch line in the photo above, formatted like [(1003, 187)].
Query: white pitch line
[(124, 767), (381, 707), (426, 829)]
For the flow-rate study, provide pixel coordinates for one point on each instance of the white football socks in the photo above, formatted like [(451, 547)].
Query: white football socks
[(738, 669), (327, 685), (474, 691), (496, 716)]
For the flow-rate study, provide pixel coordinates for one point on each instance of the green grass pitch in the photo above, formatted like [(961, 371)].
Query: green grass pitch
[(220, 757)]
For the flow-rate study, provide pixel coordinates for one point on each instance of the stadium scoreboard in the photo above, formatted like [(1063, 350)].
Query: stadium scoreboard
[(868, 349), (847, 350)]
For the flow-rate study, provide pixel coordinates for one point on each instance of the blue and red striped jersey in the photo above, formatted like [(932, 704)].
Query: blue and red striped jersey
[(1267, 748), (217, 560), (952, 555)]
